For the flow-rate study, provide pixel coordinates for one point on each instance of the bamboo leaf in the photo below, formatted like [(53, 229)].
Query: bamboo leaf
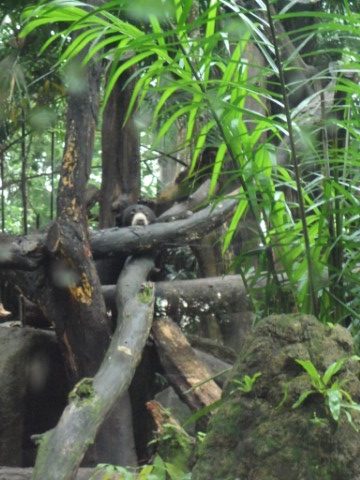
[(201, 139), (120, 70), (170, 121), (218, 164), (311, 370), (239, 213)]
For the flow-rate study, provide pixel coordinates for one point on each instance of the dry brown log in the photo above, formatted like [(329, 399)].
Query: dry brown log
[(186, 373)]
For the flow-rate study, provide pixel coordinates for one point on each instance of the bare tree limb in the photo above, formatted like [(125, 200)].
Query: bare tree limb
[(186, 208), (61, 449), (126, 241), (145, 239), (207, 296), (219, 294)]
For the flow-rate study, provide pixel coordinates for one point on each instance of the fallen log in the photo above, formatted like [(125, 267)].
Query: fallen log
[(218, 295), (184, 370), (212, 294), (210, 347), (217, 367)]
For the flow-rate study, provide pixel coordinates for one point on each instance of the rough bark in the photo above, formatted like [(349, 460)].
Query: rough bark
[(186, 373), (75, 305), (218, 368), (120, 154), (24, 253), (222, 352), (186, 297), (223, 298), (129, 240), (7, 473), (61, 450), (85, 340), (145, 239)]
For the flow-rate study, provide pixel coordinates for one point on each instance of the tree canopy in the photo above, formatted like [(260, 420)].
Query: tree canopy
[(236, 121)]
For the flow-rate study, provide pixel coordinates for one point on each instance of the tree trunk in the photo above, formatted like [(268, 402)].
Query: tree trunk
[(61, 449), (120, 154), (84, 340)]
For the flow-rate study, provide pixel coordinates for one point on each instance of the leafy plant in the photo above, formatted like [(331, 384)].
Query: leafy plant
[(336, 398), (194, 75), (158, 470), (246, 384)]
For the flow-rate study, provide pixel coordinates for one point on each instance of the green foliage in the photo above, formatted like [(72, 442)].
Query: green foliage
[(158, 470), (336, 398), (193, 73), (31, 107), (246, 384), (175, 446)]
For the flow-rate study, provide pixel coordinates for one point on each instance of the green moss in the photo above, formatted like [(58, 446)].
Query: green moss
[(83, 390), (146, 293), (259, 435)]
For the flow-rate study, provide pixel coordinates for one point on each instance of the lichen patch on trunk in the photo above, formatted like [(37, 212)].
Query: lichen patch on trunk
[(69, 161), (82, 293)]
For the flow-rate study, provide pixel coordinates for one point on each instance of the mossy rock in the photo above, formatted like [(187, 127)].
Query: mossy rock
[(258, 435)]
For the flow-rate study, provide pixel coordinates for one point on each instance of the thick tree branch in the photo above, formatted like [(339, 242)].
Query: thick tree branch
[(212, 294), (145, 239), (129, 240), (61, 449), (209, 296), (186, 208)]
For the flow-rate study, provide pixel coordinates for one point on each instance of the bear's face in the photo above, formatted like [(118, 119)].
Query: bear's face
[(137, 215)]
